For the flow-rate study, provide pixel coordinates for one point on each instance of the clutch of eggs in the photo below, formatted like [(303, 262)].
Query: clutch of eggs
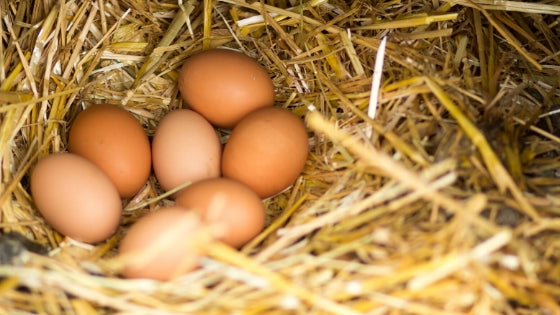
[(265, 153)]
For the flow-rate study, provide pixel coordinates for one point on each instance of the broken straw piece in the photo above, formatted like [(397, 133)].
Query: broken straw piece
[(376, 80), (254, 19), (376, 83)]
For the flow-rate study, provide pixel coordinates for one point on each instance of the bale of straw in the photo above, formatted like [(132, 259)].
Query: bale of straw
[(432, 184)]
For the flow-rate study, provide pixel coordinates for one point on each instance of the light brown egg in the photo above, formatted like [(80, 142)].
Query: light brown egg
[(228, 204), (114, 140), (185, 148), (224, 85), (75, 197), (266, 151), (162, 245)]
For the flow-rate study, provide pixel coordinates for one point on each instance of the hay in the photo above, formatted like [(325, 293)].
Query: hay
[(443, 200)]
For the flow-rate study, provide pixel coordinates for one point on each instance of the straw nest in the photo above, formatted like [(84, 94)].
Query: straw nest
[(432, 184)]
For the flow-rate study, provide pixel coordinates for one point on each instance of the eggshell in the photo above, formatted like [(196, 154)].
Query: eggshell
[(75, 197), (114, 140), (162, 245), (185, 148), (266, 151), (228, 204), (224, 85)]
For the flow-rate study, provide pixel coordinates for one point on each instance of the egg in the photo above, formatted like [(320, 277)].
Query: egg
[(163, 244), (224, 85), (185, 148), (227, 204), (76, 197), (114, 140), (266, 150)]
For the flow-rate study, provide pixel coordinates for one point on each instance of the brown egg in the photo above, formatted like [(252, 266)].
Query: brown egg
[(185, 148), (162, 245), (266, 151), (229, 204), (224, 85), (75, 197), (114, 140)]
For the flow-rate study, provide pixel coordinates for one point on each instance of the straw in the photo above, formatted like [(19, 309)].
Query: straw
[(431, 184)]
